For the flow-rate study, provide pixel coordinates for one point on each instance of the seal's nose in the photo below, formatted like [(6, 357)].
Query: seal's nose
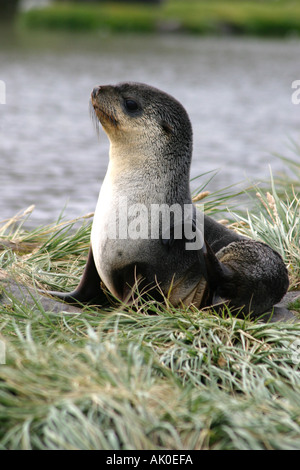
[(96, 92)]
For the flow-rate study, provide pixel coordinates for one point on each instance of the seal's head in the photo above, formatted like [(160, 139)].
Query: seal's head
[(143, 119)]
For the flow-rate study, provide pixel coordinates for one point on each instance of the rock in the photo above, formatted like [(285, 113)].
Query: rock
[(281, 312), (11, 292)]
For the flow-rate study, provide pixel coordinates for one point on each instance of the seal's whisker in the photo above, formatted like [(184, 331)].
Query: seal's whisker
[(94, 118)]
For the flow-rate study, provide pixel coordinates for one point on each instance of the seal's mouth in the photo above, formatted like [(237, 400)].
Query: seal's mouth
[(103, 116)]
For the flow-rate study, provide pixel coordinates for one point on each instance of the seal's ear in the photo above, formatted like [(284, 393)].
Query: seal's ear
[(166, 127)]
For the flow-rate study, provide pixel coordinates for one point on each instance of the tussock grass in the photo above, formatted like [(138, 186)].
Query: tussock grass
[(149, 377), (32, 254), (277, 224), (289, 180), (134, 381)]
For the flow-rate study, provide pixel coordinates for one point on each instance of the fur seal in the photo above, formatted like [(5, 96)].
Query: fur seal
[(149, 167)]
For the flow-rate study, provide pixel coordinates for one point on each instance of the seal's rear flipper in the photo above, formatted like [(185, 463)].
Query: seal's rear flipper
[(249, 274), (218, 275), (89, 290)]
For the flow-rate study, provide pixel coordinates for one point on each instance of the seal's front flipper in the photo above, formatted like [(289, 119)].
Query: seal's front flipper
[(190, 287), (187, 235), (89, 290)]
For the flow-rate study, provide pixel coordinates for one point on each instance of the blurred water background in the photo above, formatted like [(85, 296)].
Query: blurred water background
[(237, 92)]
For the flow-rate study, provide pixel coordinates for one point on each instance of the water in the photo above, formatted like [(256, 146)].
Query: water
[(236, 91)]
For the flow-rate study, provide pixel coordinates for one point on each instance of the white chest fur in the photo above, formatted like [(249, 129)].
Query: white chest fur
[(112, 245), (103, 221)]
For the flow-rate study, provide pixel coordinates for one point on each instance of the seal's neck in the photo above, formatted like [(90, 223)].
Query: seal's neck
[(145, 176)]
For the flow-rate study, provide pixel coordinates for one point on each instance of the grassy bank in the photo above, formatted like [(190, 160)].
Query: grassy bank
[(267, 18), (156, 378)]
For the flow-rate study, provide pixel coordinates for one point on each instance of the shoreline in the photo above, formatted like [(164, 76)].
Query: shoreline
[(218, 18)]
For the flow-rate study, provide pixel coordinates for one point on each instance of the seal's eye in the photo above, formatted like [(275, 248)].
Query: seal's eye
[(131, 105)]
